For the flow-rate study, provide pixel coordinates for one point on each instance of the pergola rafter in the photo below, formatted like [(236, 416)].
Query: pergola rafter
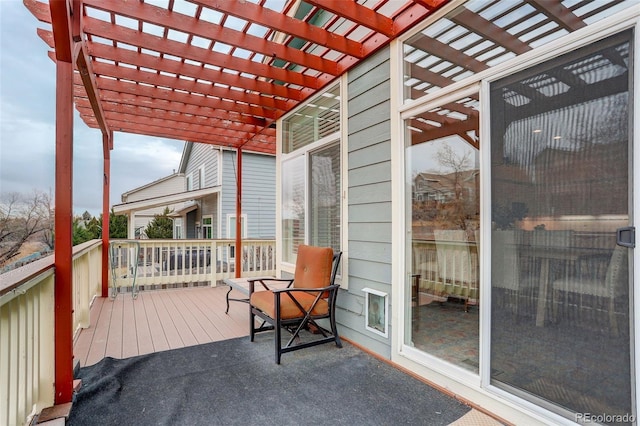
[(202, 64)]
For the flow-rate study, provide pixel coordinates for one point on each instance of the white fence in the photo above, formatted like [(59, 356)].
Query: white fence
[(446, 268), (27, 303), (27, 329), (165, 262)]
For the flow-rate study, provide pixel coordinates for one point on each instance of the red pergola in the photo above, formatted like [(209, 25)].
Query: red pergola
[(210, 71)]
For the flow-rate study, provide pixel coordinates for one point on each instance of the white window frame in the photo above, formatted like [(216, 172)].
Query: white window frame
[(177, 228), (204, 226), (231, 224), (340, 137), (189, 182)]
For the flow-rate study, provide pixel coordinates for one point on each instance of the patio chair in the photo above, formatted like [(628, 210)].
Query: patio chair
[(310, 296), (607, 289)]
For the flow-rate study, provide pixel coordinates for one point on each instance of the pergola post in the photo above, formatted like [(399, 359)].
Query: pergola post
[(106, 185), (239, 216), (63, 232)]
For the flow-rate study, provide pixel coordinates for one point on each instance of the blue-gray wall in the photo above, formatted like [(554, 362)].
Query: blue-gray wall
[(369, 200), (258, 192)]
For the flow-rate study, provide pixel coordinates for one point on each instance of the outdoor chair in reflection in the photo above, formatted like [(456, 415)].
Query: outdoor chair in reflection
[(309, 297), (510, 289), (597, 289)]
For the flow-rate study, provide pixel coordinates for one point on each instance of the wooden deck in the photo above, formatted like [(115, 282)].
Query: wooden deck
[(159, 320)]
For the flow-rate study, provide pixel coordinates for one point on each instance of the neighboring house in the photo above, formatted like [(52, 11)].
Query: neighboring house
[(139, 219), (545, 137), (201, 196)]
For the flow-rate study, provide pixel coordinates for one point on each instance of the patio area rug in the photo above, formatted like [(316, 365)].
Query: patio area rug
[(237, 382)]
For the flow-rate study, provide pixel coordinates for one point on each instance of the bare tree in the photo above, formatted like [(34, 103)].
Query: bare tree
[(454, 164), (21, 217)]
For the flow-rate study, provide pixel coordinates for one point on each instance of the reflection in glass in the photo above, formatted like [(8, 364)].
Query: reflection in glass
[(293, 216), (324, 203), (559, 179), (443, 178)]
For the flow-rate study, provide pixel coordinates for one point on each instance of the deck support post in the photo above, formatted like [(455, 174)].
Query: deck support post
[(238, 256), (106, 184), (63, 293)]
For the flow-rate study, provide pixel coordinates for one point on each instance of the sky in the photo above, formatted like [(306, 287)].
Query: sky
[(27, 127)]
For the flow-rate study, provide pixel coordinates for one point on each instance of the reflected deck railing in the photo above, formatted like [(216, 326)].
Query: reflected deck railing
[(27, 303)]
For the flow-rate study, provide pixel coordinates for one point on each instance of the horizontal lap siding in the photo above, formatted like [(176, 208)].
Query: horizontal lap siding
[(258, 193), (369, 202)]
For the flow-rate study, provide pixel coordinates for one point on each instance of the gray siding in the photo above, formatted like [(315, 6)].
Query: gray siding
[(258, 192), (369, 217), (203, 154)]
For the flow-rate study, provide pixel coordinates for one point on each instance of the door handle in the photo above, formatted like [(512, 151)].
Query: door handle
[(626, 237)]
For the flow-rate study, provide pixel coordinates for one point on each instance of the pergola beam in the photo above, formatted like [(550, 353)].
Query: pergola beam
[(175, 106), (176, 21), (359, 14), (191, 86), (161, 45), (185, 98), (143, 60), (140, 112), (285, 24)]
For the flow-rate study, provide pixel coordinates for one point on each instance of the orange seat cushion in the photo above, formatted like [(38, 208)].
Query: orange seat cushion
[(313, 267), (264, 300)]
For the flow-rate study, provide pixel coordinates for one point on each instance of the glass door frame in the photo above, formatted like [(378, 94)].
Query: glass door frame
[(566, 45), (443, 367), (429, 366)]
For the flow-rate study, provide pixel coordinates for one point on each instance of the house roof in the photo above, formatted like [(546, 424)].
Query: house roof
[(217, 72), (164, 200), (150, 184)]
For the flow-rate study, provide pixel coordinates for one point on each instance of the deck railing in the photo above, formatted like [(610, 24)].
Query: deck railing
[(27, 329), (446, 268), (27, 303), (167, 262)]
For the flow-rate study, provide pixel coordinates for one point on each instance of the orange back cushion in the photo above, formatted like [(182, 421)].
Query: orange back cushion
[(313, 267)]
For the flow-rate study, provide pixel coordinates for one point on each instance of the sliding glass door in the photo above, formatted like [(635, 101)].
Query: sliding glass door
[(560, 185)]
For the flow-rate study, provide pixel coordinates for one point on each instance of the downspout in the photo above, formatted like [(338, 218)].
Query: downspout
[(239, 215)]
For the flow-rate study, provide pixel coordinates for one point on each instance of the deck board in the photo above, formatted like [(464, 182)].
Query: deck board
[(143, 331), (159, 320)]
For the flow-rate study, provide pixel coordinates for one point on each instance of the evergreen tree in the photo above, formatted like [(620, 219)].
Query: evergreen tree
[(80, 233), (161, 227), (117, 225), (94, 228)]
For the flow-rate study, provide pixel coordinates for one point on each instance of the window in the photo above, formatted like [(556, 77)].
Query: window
[(207, 227), (317, 120), (311, 176), (231, 226), (189, 182), (177, 228)]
